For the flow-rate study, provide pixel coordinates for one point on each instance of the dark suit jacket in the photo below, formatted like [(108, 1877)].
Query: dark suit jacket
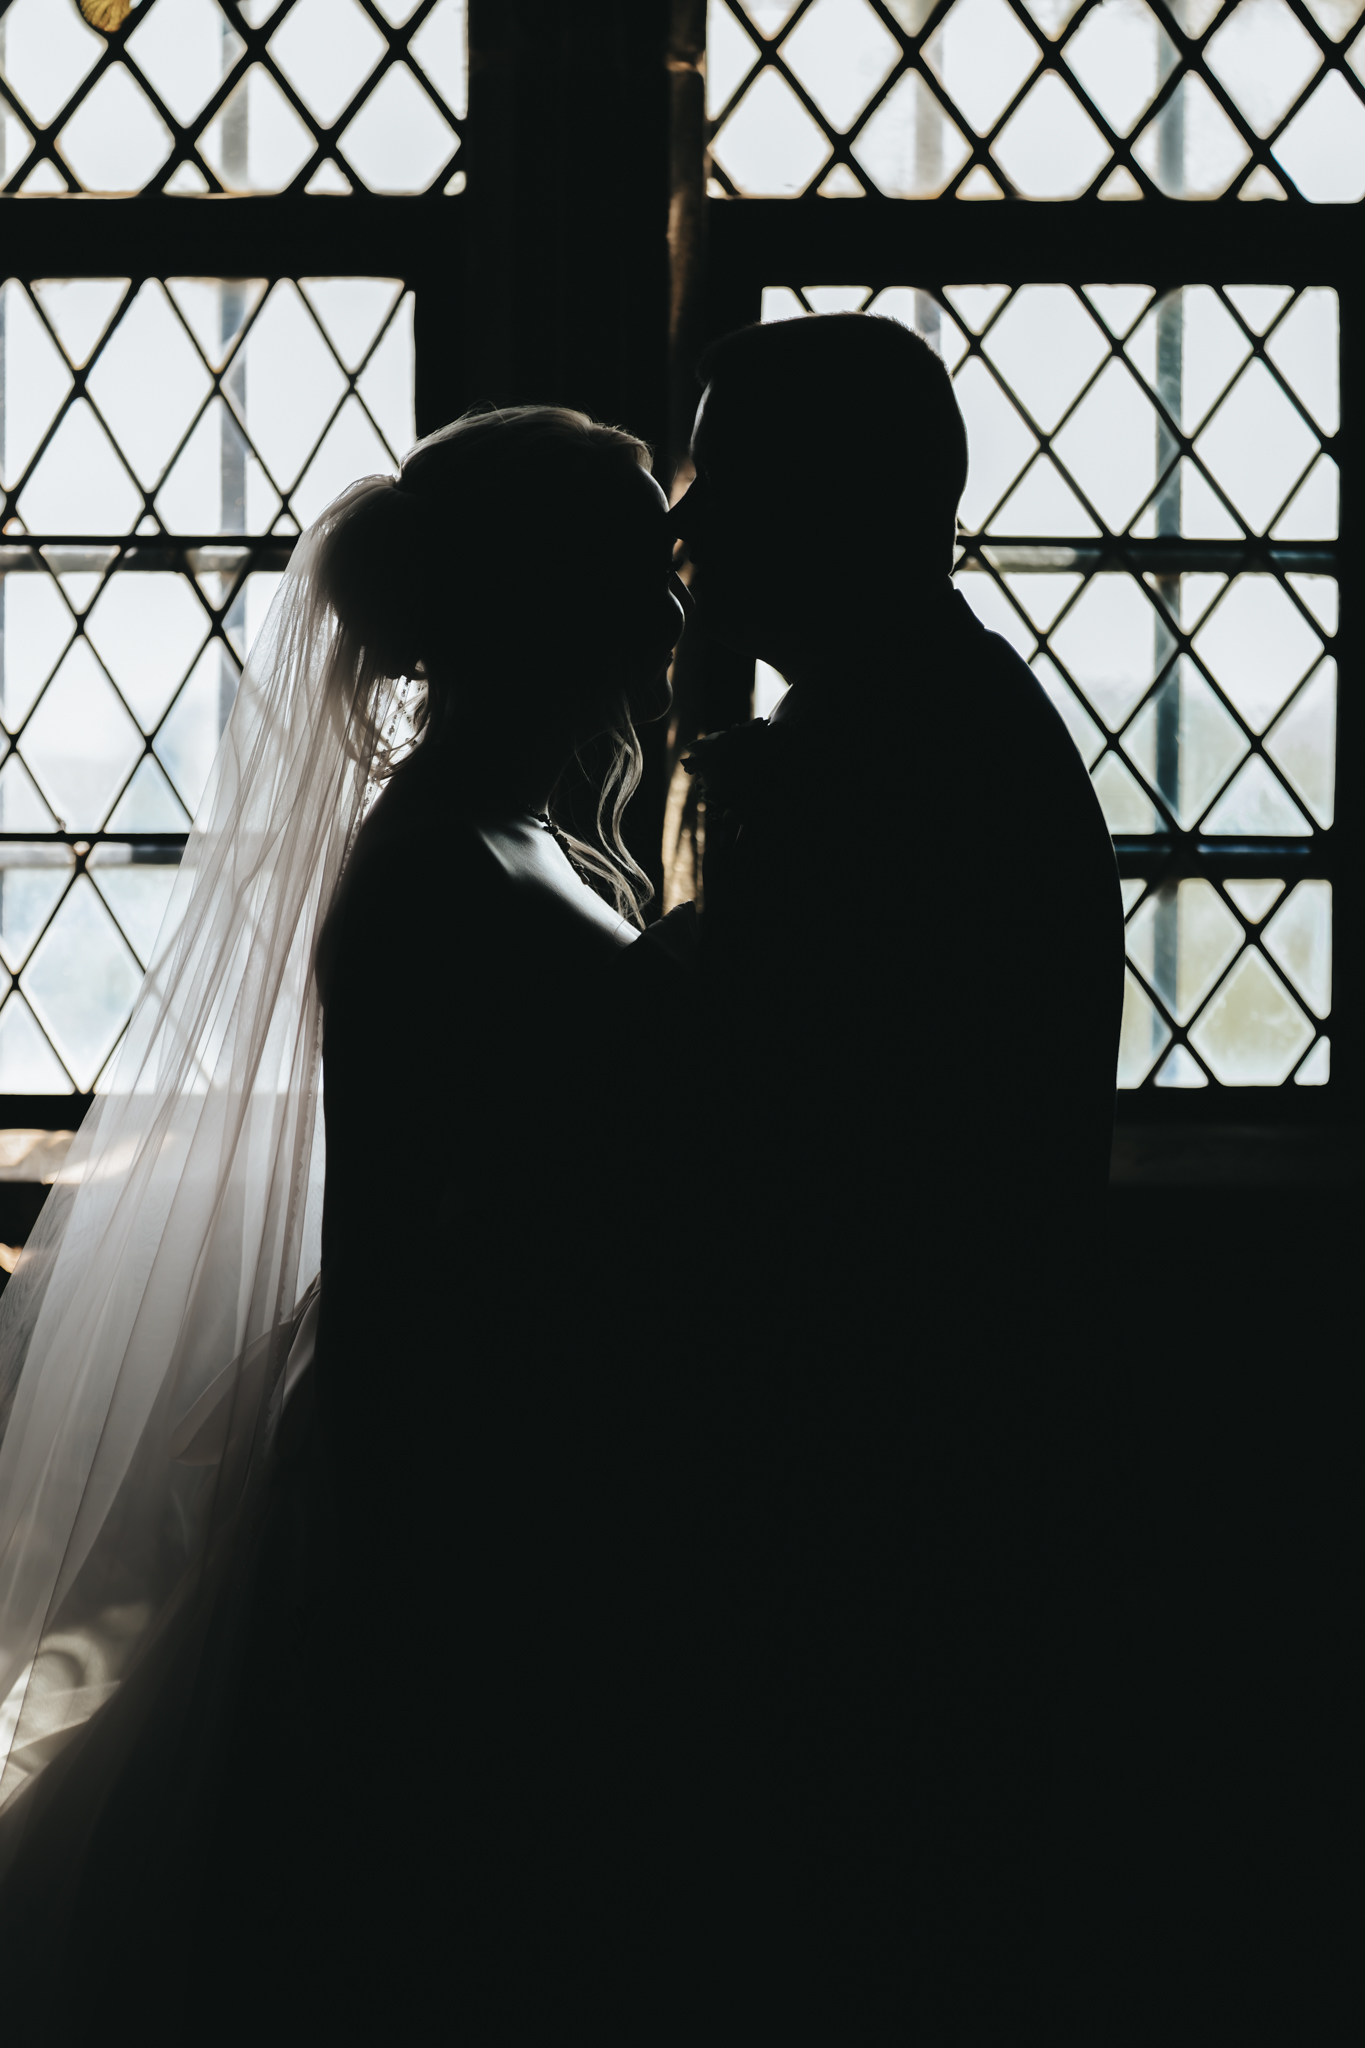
[(912, 949), (912, 962)]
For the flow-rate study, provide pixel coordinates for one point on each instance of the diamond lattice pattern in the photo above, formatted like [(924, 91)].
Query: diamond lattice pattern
[(188, 96), (146, 526), (1127, 453), (975, 99)]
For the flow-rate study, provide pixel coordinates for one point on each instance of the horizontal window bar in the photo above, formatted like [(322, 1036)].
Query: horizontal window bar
[(159, 843), (1155, 557), (1175, 856), (156, 236), (95, 552), (750, 243)]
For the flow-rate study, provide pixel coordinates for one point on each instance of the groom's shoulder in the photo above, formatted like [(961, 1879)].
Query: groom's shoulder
[(1024, 736), (986, 659)]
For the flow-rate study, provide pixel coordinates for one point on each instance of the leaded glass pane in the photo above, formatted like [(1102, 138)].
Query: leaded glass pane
[(146, 527), (199, 98), (977, 99), (1194, 670)]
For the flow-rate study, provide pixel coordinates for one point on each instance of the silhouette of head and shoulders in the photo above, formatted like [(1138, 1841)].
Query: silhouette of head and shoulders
[(519, 566), (875, 897), (830, 459), (830, 456)]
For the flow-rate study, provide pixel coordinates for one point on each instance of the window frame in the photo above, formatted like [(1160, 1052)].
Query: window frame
[(1166, 243), (420, 241), (1188, 53), (475, 277), (477, 262), (186, 135)]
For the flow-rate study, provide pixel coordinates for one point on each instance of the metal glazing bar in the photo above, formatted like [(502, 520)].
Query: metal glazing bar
[(163, 848), (38, 553), (1175, 856), (1163, 557)]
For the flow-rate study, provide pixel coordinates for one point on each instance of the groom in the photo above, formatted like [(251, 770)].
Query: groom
[(912, 971), (914, 909)]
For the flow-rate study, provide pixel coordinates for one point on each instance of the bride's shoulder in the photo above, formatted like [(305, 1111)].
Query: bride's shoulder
[(411, 864), (412, 818)]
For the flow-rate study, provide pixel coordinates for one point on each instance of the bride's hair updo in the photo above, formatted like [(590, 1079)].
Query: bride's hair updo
[(455, 575)]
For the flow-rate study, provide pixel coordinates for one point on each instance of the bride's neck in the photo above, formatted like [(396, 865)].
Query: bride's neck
[(488, 774)]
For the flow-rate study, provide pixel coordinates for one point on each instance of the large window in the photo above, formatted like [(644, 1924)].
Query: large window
[(158, 441), (189, 371), (279, 280), (189, 97), (1190, 660), (976, 99), (1160, 470)]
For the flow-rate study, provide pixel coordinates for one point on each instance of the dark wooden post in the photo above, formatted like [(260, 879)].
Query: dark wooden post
[(567, 258), (686, 218)]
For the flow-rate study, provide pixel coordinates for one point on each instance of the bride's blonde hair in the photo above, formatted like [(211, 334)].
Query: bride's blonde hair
[(395, 555)]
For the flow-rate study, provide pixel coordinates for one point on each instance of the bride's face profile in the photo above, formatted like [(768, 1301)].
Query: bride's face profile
[(625, 605), (567, 636), (580, 609)]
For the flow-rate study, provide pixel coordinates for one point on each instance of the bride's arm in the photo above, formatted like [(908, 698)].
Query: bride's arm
[(416, 929)]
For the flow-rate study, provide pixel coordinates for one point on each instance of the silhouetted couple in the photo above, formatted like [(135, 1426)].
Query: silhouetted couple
[(740, 1580), (659, 1644), (727, 1594)]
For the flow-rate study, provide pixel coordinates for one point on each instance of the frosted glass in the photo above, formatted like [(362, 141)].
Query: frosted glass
[(398, 142), (841, 53), (159, 657), (81, 982), (770, 146), (1253, 1032)]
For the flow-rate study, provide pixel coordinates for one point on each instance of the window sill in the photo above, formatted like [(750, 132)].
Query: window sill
[(33, 1155), (1234, 1156)]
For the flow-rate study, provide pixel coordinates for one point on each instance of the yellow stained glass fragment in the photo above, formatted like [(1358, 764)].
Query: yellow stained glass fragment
[(106, 15)]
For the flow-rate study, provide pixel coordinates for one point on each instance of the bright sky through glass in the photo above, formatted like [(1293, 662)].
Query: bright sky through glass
[(234, 412), (1235, 739), (840, 104), (322, 103)]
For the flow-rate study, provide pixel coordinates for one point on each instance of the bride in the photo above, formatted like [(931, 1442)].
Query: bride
[(332, 1490)]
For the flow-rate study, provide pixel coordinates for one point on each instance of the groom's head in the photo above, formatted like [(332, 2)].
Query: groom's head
[(830, 458)]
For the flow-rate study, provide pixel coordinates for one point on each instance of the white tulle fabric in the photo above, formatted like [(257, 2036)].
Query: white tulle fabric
[(145, 1332)]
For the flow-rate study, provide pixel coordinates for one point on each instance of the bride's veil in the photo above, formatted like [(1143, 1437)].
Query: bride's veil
[(145, 1332)]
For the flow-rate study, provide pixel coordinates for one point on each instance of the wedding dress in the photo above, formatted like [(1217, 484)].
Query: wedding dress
[(491, 1423), (502, 1509), (146, 1335)]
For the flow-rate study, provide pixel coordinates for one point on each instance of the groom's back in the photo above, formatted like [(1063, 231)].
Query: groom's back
[(916, 1480), (908, 1002), (914, 1023), (1021, 965)]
